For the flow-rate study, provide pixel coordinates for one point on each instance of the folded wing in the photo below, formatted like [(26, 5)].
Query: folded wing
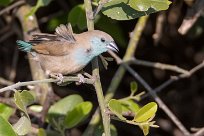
[(57, 44)]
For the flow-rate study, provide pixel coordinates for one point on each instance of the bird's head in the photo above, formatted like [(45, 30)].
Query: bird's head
[(102, 42)]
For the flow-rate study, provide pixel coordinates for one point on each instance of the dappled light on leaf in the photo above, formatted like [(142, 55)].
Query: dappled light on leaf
[(127, 10)]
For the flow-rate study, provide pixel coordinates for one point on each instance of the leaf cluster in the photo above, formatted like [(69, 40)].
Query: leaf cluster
[(142, 116)]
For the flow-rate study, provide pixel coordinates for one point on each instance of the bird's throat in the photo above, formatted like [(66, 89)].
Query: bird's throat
[(81, 57)]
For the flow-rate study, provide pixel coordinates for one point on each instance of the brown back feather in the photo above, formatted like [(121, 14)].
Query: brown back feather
[(54, 44)]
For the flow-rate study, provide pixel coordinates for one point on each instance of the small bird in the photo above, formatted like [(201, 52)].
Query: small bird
[(64, 52)]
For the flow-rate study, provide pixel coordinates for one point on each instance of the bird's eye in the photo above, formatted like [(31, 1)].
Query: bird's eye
[(103, 40)]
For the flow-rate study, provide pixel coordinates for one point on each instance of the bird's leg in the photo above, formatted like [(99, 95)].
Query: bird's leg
[(58, 76)]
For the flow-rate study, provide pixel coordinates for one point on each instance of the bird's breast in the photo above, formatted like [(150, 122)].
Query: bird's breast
[(83, 56), (67, 64)]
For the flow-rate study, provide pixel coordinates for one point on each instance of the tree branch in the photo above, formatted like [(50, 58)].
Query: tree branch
[(65, 79), (158, 65), (176, 78), (95, 73)]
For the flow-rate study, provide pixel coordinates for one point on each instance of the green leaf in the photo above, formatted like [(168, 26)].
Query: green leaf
[(78, 114), (5, 2), (146, 112), (116, 107), (129, 105), (144, 5), (40, 3), (131, 9), (6, 128), (60, 108), (19, 102), (23, 126), (120, 10), (6, 111), (41, 132), (28, 97), (77, 17), (145, 129), (23, 99), (133, 88)]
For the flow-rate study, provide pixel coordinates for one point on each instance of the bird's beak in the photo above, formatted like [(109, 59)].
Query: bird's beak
[(112, 46)]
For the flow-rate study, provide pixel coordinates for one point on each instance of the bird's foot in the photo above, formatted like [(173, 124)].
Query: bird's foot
[(57, 76), (81, 79)]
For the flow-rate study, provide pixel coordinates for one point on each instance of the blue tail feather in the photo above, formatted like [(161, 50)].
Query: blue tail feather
[(24, 46)]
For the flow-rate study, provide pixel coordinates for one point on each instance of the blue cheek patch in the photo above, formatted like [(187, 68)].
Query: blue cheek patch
[(82, 57), (98, 46)]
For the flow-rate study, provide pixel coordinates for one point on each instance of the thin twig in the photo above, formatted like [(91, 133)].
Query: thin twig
[(199, 133), (159, 27), (161, 104), (8, 8), (100, 6), (128, 121), (65, 79), (176, 78), (159, 66), (193, 13), (185, 73)]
